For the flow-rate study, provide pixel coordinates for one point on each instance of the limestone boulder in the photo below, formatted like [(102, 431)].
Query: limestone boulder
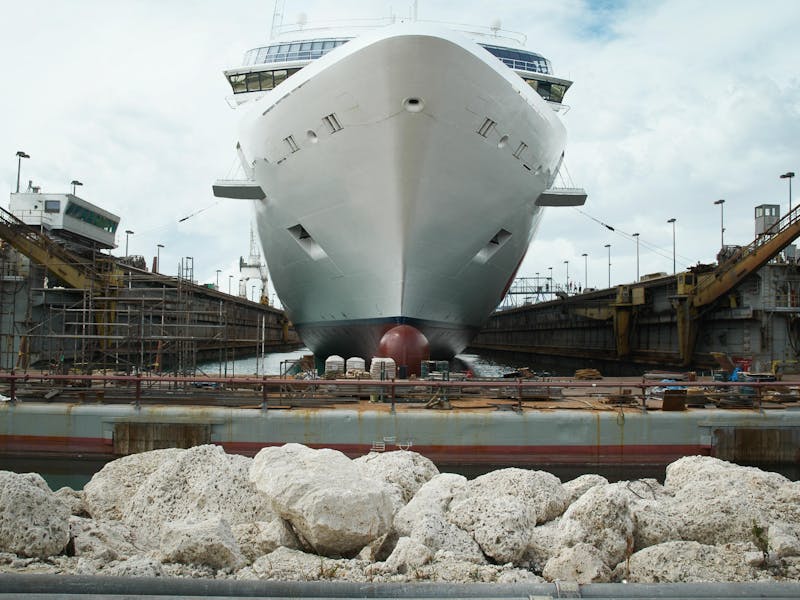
[(73, 500), (209, 542), (197, 484), (34, 522), (262, 537), (656, 516), (578, 486), (545, 542), (542, 491), (135, 566), (326, 497), (440, 535), (104, 541), (108, 493), (406, 471), (600, 517), (500, 524), (407, 556), (682, 561), (432, 499), (285, 564), (582, 563), (716, 502)]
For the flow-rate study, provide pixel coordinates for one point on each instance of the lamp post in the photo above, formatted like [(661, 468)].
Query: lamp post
[(674, 270), (585, 256), (230, 278), (74, 183), (566, 262), (158, 257), (636, 235), (128, 233), (218, 272), (609, 264), (551, 279), (20, 156), (788, 175), (721, 203)]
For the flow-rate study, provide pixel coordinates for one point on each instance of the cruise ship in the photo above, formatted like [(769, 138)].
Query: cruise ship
[(398, 177)]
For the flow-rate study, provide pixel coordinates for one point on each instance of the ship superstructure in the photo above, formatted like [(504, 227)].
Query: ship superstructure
[(399, 177)]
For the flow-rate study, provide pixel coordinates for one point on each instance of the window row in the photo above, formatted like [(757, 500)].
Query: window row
[(90, 217), (308, 50), (522, 59), (553, 92), (259, 81)]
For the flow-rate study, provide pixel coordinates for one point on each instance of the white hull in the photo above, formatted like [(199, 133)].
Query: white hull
[(402, 204)]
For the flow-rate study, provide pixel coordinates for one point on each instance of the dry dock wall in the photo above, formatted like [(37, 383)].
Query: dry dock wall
[(759, 321)]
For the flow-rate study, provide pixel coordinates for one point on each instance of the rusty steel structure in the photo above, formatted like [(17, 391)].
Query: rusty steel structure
[(79, 310)]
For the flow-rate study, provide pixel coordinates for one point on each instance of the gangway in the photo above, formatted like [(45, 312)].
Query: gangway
[(697, 291)]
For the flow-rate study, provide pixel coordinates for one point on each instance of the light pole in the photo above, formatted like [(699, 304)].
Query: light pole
[(20, 156), (636, 235), (566, 262), (128, 233), (585, 256), (674, 270), (609, 265), (721, 203), (74, 183), (788, 175), (158, 257), (218, 272), (551, 279), (230, 278)]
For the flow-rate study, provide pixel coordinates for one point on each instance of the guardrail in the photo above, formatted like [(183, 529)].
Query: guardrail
[(265, 388)]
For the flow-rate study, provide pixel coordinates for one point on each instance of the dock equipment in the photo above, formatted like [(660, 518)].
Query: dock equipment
[(77, 308)]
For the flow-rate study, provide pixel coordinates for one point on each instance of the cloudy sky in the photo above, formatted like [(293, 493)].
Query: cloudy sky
[(675, 104)]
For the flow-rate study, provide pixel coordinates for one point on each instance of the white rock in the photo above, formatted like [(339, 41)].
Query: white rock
[(110, 490), (439, 534), (448, 569), (73, 500), (33, 521), (209, 542), (262, 537), (582, 563), (542, 491), (406, 471), (784, 539), (677, 562), (717, 502), (136, 566), (285, 564), (433, 498), (501, 524), (578, 486), (544, 543), (325, 497), (197, 484), (408, 555), (656, 516), (104, 541), (600, 517)]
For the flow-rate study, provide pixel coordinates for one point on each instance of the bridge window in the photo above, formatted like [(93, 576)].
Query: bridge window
[(52, 206), (91, 217), (304, 50), (521, 60), (258, 81), (553, 92)]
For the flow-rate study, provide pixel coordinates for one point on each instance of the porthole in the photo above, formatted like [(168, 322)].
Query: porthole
[(312, 137), (503, 142)]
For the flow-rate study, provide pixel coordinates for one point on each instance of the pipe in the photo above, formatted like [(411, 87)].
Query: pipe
[(77, 586)]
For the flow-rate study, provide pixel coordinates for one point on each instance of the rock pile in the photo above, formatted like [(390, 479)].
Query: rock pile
[(294, 513)]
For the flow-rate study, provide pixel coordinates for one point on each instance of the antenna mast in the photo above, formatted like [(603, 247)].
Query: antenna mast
[(277, 17)]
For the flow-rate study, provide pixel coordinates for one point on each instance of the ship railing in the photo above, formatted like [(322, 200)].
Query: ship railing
[(491, 33), (241, 391)]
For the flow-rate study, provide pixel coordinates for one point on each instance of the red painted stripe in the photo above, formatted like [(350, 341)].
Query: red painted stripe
[(639, 454)]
